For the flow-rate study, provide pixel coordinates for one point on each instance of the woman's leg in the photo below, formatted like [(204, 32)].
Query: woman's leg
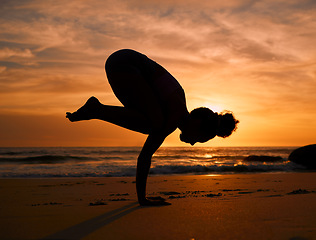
[(121, 116), (141, 112), (134, 92)]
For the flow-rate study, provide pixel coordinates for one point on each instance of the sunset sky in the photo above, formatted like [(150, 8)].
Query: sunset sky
[(255, 58)]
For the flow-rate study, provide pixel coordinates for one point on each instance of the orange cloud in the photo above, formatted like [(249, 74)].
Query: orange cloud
[(256, 58)]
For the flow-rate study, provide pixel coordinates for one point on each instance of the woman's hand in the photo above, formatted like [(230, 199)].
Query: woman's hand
[(152, 143)]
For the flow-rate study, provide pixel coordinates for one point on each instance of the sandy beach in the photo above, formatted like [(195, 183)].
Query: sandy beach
[(243, 206)]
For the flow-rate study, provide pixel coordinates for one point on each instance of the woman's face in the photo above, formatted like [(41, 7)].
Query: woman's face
[(191, 133)]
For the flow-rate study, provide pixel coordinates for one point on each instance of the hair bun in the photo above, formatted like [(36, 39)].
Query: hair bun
[(227, 124)]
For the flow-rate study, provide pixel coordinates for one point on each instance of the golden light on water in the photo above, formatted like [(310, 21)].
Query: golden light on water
[(208, 155), (213, 175), (238, 163)]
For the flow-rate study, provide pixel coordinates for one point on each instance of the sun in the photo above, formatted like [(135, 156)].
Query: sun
[(214, 108)]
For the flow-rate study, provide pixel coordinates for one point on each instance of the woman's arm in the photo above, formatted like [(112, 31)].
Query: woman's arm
[(152, 143), (176, 110)]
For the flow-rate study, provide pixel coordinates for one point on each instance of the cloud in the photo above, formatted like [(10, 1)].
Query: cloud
[(7, 53), (2, 69), (243, 54), (160, 26)]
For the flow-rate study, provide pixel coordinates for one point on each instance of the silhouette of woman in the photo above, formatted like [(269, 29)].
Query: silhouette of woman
[(154, 104)]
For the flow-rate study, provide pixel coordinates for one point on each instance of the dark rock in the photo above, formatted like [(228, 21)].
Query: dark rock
[(173, 197), (305, 156), (169, 193), (97, 203), (299, 191), (118, 199), (213, 195)]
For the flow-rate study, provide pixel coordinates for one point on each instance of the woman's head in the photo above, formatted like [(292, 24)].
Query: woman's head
[(227, 124), (203, 124)]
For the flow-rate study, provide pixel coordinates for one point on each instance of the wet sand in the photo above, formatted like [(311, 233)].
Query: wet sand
[(244, 206)]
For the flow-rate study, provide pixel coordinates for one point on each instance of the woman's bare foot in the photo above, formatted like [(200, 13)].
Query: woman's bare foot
[(86, 112)]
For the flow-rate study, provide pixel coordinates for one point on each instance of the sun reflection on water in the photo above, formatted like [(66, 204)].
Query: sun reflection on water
[(213, 175)]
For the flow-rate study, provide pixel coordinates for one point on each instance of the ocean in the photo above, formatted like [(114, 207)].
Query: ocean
[(42, 162)]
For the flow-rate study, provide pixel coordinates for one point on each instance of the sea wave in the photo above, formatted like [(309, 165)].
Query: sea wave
[(203, 169), (121, 161), (54, 159), (44, 159), (130, 171)]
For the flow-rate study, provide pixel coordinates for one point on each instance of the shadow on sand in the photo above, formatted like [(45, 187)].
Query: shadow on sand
[(85, 228)]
